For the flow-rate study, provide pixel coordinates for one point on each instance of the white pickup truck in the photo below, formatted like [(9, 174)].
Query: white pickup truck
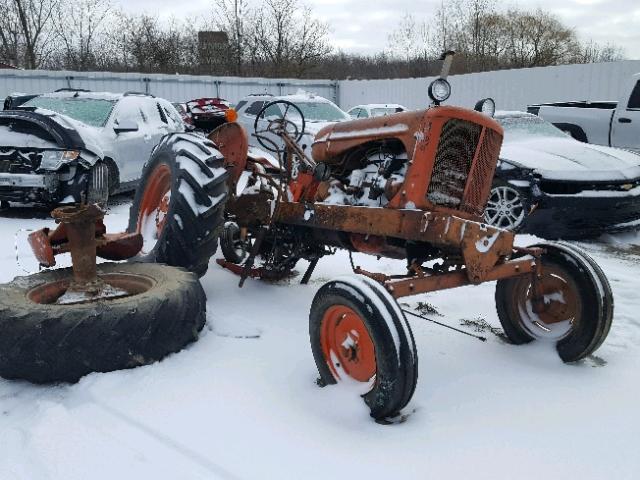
[(615, 124)]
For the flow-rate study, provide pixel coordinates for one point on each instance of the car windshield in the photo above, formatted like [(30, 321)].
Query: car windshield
[(321, 112), (522, 128), (381, 112), (90, 111)]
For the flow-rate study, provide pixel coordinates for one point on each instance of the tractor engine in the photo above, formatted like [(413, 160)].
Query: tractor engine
[(371, 177)]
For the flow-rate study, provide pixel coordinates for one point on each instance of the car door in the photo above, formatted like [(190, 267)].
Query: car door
[(625, 127), (130, 148)]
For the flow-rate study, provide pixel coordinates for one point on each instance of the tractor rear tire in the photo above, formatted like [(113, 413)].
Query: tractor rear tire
[(45, 342), (359, 333), (179, 204), (578, 304)]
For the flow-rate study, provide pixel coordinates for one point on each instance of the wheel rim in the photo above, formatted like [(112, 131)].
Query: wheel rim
[(117, 285), (154, 206), (505, 208), (346, 344), (239, 246), (561, 309)]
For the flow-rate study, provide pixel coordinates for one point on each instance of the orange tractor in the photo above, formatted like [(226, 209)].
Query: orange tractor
[(409, 186)]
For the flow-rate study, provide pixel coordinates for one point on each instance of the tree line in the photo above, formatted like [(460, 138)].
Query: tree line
[(281, 38)]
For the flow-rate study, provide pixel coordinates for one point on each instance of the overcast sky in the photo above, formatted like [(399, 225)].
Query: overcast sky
[(363, 25)]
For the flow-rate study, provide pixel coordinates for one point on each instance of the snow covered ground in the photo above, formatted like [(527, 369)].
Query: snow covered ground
[(241, 403)]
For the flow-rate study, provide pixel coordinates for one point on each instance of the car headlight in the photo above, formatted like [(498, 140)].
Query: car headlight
[(54, 159), (486, 106), (439, 90)]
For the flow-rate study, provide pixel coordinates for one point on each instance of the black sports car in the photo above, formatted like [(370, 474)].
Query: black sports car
[(553, 186)]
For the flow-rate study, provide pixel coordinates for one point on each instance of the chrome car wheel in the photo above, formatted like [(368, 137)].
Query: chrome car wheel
[(505, 208)]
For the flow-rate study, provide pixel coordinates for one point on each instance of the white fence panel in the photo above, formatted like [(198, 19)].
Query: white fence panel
[(176, 88), (512, 89)]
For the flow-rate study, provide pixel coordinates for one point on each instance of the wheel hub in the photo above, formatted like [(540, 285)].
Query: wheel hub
[(551, 313), (347, 345)]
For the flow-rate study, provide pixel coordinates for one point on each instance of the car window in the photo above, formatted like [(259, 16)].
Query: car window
[(128, 110), (172, 114), (634, 99), (321, 112), (162, 113), (381, 112), (241, 104), (354, 112), (254, 108), (363, 113), (522, 128), (90, 111)]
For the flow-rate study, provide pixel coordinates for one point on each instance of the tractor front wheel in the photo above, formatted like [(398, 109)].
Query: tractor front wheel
[(359, 334), (576, 308)]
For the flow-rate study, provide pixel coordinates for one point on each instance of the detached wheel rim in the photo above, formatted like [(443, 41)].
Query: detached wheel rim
[(154, 206), (561, 308), (346, 344), (505, 208)]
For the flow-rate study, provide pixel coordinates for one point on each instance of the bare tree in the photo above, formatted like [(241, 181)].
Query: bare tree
[(82, 30), (287, 37), (234, 17), (10, 40), (411, 39), (35, 18)]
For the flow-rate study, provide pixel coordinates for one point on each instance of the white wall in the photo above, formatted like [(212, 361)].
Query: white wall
[(512, 89), (176, 88)]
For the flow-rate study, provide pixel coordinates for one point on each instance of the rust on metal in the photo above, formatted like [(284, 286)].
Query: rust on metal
[(482, 246), (80, 227), (239, 269), (232, 141), (415, 285)]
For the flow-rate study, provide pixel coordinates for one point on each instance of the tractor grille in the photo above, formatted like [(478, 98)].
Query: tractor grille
[(454, 157), (480, 179)]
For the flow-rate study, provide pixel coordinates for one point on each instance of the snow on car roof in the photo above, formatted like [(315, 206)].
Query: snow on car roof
[(512, 113), (380, 105), (88, 95)]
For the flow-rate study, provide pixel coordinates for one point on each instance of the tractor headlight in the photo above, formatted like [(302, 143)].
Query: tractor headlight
[(439, 90), (486, 106)]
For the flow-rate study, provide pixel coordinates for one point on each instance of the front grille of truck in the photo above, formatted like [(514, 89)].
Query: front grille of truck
[(454, 157)]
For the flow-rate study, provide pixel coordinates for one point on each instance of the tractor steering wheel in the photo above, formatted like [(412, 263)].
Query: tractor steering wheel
[(285, 118)]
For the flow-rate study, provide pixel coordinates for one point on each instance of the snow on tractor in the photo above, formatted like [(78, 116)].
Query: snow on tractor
[(409, 186)]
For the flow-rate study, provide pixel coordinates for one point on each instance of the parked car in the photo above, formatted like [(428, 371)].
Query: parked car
[(61, 147), (615, 124), (554, 186), (375, 110), (318, 112)]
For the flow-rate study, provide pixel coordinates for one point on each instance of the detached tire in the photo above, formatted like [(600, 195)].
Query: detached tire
[(578, 305), (179, 204), (358, 332), (46, 342)]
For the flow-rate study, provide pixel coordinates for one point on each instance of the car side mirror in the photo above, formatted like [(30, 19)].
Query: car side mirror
[(126, 126)]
